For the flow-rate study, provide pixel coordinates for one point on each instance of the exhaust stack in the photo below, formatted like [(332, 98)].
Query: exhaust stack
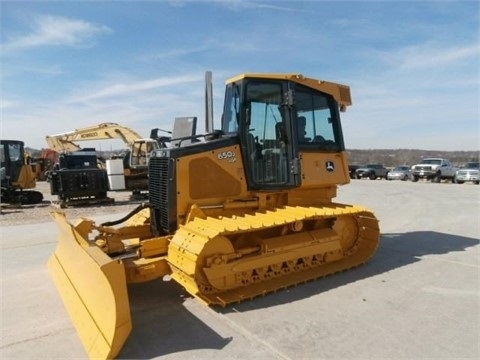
[(208, 103)]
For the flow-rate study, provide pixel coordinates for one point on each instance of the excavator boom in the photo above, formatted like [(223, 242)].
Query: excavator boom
[(66, 142)]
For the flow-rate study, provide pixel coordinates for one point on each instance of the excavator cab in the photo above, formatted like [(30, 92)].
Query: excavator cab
[(184, 132), (140, 151)]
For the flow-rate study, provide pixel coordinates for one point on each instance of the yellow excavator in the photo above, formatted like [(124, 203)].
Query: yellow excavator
[(66, 142), (240, 212), (134, 165), (135, 162)]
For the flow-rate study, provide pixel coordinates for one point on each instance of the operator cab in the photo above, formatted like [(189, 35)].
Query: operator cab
[(139, 156), (12, 155), (277, 120)]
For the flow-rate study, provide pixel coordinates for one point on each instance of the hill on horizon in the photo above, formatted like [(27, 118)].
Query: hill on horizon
[(387, 157), (395, 157)]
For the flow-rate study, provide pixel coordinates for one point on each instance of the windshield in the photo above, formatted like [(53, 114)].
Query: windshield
[(471, 165), (231, 109), (431, 161)]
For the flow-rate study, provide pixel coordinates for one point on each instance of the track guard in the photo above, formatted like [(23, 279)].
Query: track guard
[(94, 291)]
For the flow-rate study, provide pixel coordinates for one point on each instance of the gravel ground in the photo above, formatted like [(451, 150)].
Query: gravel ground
[(33, 214), (39, 213), (418, 298)]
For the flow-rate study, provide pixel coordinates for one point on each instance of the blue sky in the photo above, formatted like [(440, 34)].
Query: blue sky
[(413, 66)]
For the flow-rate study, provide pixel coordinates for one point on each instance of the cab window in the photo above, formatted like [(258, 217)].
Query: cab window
[(231, 110), (317, 120)]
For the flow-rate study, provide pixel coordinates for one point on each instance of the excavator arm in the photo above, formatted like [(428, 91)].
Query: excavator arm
[(66, 142)]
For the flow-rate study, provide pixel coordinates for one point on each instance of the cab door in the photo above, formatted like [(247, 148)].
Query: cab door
[(266, 135)]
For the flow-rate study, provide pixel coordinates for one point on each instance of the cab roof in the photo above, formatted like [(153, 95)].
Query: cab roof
[(340, 92)]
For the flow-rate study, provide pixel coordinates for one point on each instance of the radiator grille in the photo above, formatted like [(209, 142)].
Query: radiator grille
[(159, 184)]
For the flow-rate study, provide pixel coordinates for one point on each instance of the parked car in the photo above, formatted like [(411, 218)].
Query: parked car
[(469, 171), (371, 171), (399, 173), (352, 169), (434, 169)]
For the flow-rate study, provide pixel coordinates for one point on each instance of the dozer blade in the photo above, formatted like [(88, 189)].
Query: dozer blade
[(93, 289)]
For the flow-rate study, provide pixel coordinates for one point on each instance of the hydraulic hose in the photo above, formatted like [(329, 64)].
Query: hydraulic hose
[(128, 216)]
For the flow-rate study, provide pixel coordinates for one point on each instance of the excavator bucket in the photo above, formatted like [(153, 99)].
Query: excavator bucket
[(93, 289)]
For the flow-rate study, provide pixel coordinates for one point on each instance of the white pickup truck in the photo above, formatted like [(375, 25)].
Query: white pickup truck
[(434, 169)]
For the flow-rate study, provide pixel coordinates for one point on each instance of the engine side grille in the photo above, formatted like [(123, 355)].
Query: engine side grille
[(161, 195)]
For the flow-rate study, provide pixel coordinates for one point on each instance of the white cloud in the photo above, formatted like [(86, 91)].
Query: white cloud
[(138, 104), (410, 99), (253, 5), (427, 56), (417, 57), (7, 104), (181, 52), (123, 89), (13, 69), (49, 30)]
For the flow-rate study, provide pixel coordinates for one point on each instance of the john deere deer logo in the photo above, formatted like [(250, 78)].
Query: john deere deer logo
[(330, 166)]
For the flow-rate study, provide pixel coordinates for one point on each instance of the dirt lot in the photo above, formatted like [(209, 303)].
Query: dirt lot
[(30, 214), (421, 289)]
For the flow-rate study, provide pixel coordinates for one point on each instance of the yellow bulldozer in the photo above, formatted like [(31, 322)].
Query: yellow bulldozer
[(16, 175), (239, 212)]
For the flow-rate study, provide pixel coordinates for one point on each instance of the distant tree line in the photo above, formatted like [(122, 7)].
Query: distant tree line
[(389, 157), (386, 157)]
